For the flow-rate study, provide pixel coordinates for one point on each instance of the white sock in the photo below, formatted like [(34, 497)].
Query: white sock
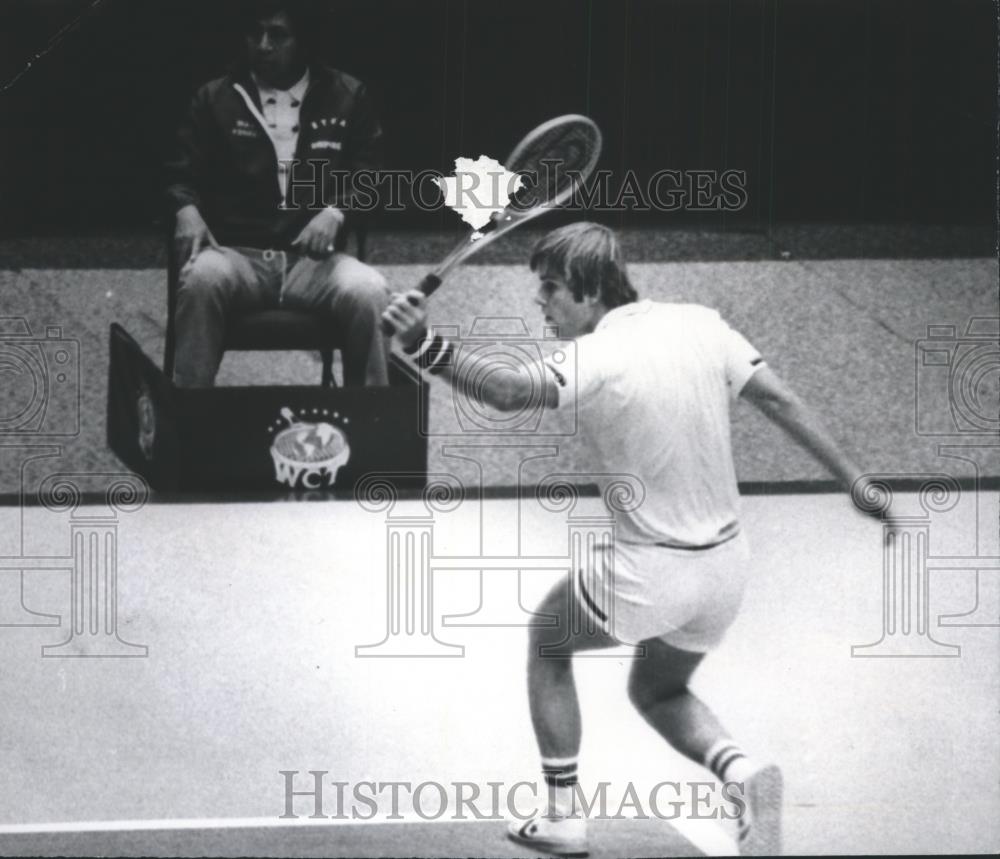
[(728, 761), (560, 779)]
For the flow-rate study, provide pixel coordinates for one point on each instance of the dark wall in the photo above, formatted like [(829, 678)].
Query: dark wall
[(839, 111)]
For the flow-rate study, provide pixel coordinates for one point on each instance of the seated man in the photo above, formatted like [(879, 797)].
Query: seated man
[(256, 227)]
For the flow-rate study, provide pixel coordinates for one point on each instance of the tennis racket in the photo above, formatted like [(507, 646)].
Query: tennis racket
[(554, 159)]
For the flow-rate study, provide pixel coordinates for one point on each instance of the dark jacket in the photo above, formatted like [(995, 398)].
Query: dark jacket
[(225, 164)]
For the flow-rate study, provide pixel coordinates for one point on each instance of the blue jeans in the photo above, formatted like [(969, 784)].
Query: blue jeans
[(219, 285)]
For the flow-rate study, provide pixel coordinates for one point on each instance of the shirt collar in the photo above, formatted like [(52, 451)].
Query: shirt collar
[(297, 91), (633, 308)]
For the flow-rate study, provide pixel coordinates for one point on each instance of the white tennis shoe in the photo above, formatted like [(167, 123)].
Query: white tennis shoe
[(564, 836), (760, 824)]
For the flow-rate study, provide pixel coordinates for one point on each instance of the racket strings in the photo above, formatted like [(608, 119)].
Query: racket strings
[(554, 162)]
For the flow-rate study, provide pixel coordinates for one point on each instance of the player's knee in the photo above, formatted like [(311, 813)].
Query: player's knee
[(644, 692), (537, 639), (640, 694), (550, 643), (550, 659)]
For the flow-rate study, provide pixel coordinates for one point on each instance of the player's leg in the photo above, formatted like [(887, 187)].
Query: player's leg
[(555, 708), (658, 687), (555, 717), (212, 287), (354, 295)]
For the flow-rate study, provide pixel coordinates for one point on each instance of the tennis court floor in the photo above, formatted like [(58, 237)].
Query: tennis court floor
[(258, 638)]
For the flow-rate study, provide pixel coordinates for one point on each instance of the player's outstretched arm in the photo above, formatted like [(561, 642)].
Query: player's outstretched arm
[(774, 398), (497, 384)]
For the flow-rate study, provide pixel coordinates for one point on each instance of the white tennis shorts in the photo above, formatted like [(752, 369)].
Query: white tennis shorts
[(687, 597)]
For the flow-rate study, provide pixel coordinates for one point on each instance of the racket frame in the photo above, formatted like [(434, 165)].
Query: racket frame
[(510, 218)]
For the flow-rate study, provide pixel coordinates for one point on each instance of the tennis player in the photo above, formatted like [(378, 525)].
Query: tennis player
[(652, 388)]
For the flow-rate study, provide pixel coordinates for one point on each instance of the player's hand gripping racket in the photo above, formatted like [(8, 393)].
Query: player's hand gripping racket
[(555, 158)]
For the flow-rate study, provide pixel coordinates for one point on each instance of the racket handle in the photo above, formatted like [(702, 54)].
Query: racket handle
[(427, 286)]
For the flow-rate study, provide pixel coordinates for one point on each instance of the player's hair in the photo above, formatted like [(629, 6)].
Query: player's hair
[(590, 259), (303, 15)]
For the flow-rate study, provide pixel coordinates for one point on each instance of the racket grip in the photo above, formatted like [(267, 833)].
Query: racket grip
[(427, 286)]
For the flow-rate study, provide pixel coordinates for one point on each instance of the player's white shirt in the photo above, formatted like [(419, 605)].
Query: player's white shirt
[(652, 388)]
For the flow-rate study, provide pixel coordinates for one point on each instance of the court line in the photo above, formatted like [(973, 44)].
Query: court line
[(704, 835), (210, 823), (746, 488)]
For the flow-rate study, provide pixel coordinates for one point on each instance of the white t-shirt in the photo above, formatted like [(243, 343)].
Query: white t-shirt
[(652, 387)]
